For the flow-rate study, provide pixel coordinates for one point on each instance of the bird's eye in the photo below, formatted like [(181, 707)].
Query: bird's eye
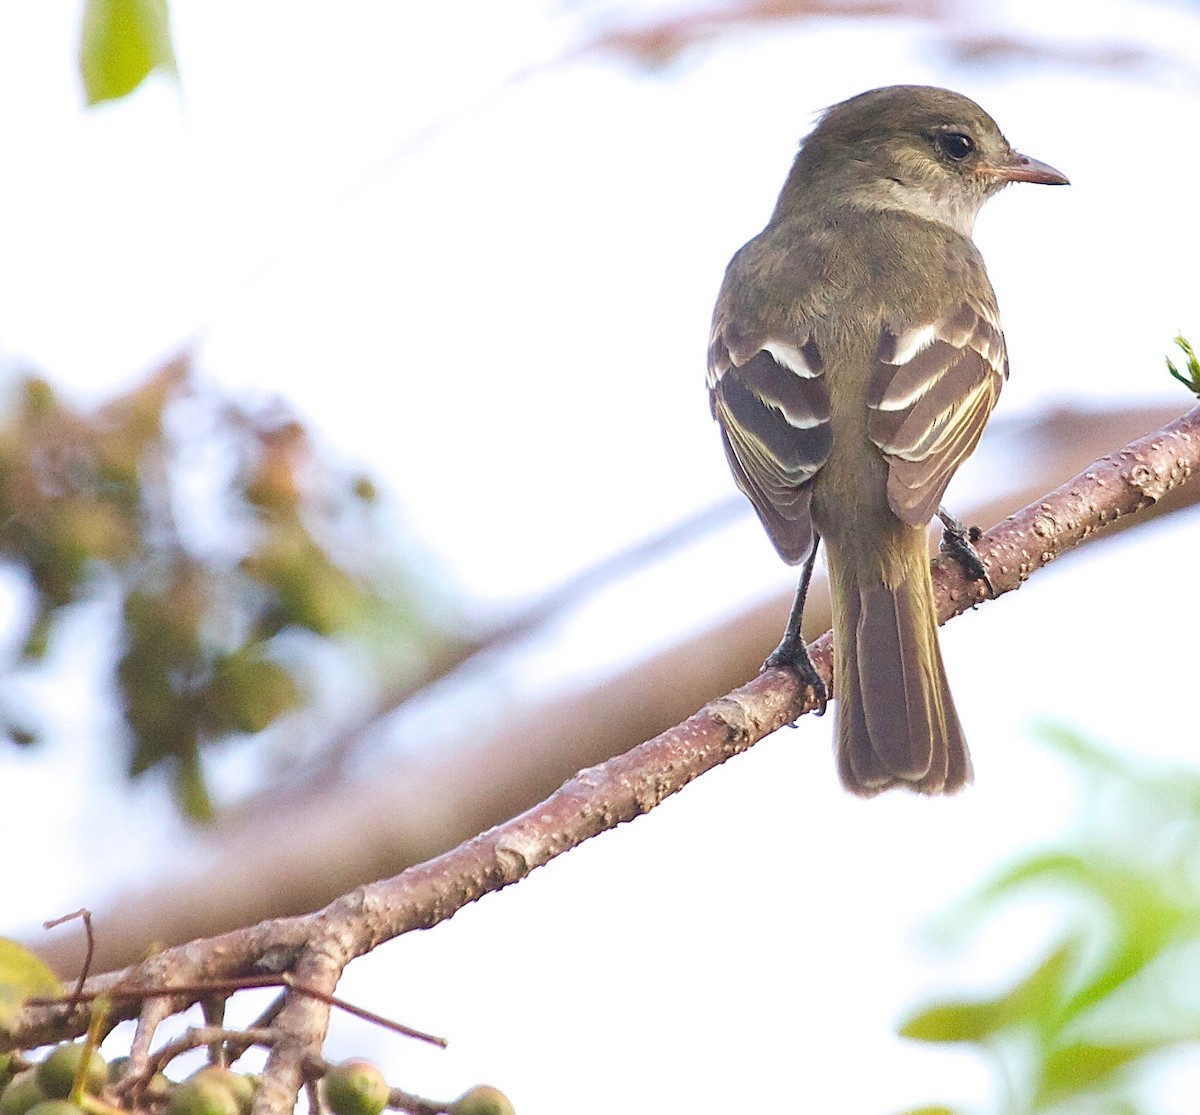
[(955, 145)]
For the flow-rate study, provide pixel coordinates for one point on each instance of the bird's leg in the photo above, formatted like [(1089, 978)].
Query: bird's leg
[(956, 541), (792, 654)]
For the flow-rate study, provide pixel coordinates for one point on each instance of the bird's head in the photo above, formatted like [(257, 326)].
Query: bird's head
[(915, 148)]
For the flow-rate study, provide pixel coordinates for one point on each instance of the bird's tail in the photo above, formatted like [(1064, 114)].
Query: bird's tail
[(896, 724)]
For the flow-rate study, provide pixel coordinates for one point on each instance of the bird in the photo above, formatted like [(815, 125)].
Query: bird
[(855, 356)]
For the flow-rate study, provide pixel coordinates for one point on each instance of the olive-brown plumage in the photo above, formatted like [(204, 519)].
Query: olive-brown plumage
[(856, 355)]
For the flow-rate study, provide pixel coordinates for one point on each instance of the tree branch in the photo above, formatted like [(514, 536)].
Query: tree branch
[(316, 947), (259, 864)]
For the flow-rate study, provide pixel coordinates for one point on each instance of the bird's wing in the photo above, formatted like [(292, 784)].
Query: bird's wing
[(933, 389), (773, 409)]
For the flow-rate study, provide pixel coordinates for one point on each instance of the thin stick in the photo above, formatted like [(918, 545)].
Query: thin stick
[(242, 983), (84, 914)]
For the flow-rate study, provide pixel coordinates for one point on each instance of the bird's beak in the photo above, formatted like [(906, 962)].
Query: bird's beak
[(1021, 168)]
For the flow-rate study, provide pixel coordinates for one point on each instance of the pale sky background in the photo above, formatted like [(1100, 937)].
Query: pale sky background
[(487, 278)]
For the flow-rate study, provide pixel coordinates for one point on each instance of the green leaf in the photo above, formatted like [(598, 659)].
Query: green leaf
[(1190, 378), (1038, 998), (121, 43), (1083, 1065), (22, 975), (928, 1109), (1061, 868), (950, 1021), (1034, 1001)]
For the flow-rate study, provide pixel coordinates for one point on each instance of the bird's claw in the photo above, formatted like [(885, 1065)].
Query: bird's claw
[(796, 659), (957, 542)]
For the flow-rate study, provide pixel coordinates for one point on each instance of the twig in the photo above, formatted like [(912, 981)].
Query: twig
[(196, 1036), (199, 991), (235, 1046), (85, 915), (364, 1014), (401, 1100)]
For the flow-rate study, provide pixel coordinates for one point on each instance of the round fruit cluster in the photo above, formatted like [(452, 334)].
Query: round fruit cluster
[(60, 1085)]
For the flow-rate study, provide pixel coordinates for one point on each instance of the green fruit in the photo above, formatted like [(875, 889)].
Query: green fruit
[(159, 1088), (483, 1099), (203, 1097), (54, 1107), (21, 1093), (56, 1074), (241, 1087), (356, 1088)]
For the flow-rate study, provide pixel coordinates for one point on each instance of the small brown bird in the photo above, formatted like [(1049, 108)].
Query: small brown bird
[(856, 355)]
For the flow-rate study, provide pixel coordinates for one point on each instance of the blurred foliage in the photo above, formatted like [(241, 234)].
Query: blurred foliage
[(1190, 376), (22, 976), (236, 556), (121, 42), (1115, 994)]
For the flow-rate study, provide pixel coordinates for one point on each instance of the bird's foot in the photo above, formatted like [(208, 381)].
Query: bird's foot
[(792, 654), (957, 542)]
